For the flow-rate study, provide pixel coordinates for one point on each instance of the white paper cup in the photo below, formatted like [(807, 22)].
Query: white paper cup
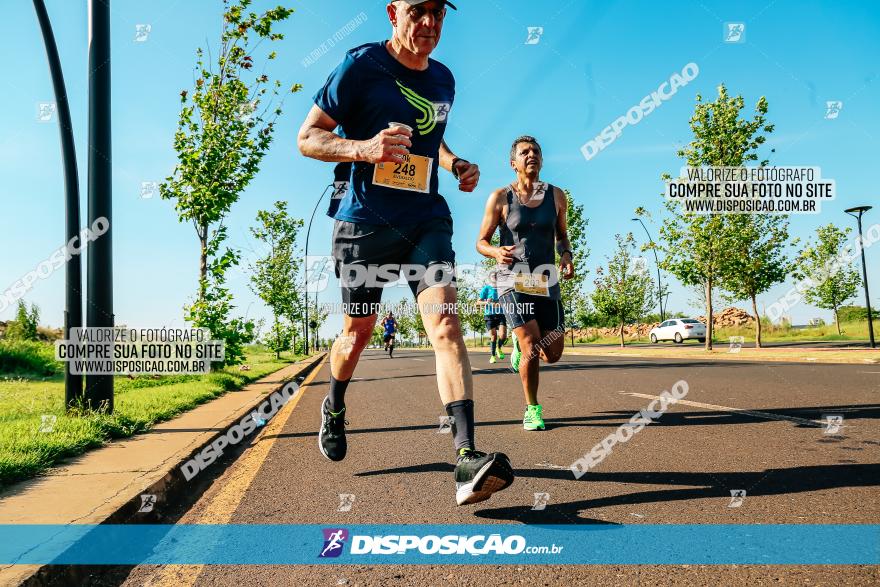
[(406, 126)]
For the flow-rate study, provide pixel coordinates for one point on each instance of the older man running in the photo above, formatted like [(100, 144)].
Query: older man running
[(391, 102)]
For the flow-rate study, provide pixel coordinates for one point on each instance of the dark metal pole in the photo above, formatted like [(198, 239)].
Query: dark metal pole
[(657, 261), (865, 277), (99, 308), (309, 232), (73, 267)]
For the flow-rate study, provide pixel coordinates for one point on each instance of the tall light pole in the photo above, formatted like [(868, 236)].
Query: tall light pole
[(340, 185), (99, 299), (306, 269), (657, 261), (857, 214), (73, 268)]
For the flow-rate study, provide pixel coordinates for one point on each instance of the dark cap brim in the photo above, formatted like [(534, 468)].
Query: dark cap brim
[(415, 2)]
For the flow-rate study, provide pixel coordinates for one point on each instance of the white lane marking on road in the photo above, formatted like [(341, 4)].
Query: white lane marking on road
[(755, 413), (547, 465), (419, 360)]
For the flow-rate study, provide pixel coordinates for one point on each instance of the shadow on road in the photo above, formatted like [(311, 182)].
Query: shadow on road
[(616, 418), (758, 483)]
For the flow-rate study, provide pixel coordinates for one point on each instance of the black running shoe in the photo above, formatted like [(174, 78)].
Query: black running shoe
[(478, 475), (331, 438)]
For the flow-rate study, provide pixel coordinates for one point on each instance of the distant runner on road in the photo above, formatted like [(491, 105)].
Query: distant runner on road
[(389, 324), (496, 323), (391, 103), (531, 216)]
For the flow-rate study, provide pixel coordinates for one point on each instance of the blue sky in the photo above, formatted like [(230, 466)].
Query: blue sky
[(593, 62)]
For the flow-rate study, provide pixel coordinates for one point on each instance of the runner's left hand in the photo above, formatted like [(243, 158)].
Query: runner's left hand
[(566, 266), (468, 175)]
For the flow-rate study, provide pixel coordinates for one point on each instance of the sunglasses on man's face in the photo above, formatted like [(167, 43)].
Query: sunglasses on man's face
[(417, 12)]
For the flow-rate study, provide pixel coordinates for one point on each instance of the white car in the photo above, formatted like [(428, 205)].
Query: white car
[(679, 329)]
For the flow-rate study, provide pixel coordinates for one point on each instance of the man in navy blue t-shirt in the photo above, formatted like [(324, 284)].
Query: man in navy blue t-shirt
[(391, 102)]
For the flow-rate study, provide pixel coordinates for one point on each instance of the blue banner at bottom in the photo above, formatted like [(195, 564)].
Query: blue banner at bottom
[(790, 544)]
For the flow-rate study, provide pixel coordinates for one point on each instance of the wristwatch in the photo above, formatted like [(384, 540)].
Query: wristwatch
[(454, 161)]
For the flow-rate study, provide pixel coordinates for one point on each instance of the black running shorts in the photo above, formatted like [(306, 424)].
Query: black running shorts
[(521, 308), (494, 321), (369, 256)]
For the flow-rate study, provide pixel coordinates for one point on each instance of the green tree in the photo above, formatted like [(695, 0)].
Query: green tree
[(225, 125), (572, 290), (829, 280), (24, 327), (697, 246), (624, 290), (213, 309), (224, 129), (273, 277), (406, 324), (467, 296), (757, 261), (317, 317)]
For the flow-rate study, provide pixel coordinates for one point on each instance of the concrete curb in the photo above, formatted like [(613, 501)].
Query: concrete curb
[(170, 487)]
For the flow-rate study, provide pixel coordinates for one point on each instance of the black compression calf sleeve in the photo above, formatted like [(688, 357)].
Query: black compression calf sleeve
[(462, 412), (337, 393)]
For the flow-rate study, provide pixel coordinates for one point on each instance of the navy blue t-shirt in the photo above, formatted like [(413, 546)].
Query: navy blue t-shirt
[(341, 180), (369, 89)]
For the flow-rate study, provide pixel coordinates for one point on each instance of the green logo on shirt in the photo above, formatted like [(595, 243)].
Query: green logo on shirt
[(429, 113)]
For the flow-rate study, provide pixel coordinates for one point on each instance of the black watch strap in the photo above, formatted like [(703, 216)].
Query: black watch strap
[(454, 161)]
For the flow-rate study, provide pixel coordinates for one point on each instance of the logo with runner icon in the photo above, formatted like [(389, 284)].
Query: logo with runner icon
[(431, 112), (334, 541)]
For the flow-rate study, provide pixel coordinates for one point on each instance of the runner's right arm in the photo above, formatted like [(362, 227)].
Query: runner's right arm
[(317, 140), (491, 219)]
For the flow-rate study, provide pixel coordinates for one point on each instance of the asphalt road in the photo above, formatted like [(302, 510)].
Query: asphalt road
[(678, 470), (722, 343)]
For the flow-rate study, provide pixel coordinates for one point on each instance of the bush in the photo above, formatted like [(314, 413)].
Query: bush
[(28, 357), (855, 314)]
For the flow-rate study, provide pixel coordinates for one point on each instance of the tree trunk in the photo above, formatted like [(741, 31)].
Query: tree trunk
[(709, 326), (203, 260), (837, 320), (757, 323), (622, 341)]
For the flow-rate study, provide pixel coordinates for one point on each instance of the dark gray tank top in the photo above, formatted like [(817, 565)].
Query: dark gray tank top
[(533, 232)]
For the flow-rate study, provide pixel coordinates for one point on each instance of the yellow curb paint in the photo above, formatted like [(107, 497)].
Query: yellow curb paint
[(232, 487)]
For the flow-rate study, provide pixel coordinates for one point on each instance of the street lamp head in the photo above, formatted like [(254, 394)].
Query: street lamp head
[(634, 219), (858, 210)]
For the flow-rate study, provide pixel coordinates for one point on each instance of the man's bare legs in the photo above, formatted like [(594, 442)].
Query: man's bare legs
[(535, 345), (454, 378), (346, 351)]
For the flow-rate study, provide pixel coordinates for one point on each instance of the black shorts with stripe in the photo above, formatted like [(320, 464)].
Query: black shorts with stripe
[(520, 308)]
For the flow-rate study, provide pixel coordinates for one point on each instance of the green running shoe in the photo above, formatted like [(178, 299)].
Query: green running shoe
[(533, 418), (500, 354), (493, 359), (515, 356)]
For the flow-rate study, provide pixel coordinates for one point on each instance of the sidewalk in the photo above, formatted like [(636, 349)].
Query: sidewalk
[(105, 485)]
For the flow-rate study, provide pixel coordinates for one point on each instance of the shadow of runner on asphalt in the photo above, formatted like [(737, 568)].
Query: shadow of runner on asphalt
[(614, 419), (757, 483)]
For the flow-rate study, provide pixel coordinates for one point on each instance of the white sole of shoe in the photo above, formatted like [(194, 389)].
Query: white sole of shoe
[(487, 484)]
